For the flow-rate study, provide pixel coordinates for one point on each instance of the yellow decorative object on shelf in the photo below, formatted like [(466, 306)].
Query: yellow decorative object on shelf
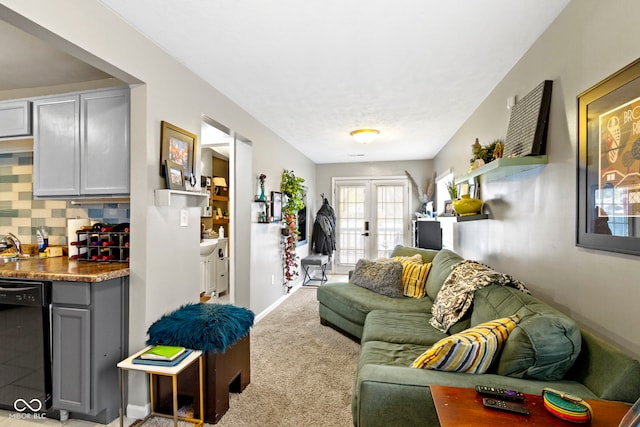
[(467, 205)]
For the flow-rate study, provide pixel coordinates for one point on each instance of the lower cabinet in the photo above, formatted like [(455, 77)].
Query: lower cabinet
[(71, 359), (89, 337), (206, 274)]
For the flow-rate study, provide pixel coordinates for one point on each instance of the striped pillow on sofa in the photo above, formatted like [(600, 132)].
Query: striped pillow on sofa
[(471, 350)]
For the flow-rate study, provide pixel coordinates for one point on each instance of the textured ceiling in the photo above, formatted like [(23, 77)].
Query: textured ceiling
[(314, 70)]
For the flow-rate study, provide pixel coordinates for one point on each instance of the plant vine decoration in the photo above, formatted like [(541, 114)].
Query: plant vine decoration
[(291, 187)]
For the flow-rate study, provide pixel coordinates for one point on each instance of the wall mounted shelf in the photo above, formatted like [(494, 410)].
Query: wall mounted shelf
[(463, 218), (179, 198), (504, 168)]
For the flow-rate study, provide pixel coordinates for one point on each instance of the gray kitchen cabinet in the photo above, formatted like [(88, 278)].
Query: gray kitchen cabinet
[(56, 146), (15, 119), (90, 336), (71, 359), (81, 144)]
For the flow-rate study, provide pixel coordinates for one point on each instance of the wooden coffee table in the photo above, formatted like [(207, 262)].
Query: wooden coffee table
[(459, 407)]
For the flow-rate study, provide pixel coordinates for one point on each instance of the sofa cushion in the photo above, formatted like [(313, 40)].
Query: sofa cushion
[(390, 354), (427, 254), (470, 351), (414, 276), (456, 295), (441, 267), (544, 344), (400, 328), (354, 303), (384, 278)]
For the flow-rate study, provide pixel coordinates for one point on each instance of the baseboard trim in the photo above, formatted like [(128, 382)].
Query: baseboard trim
[(279, 301)]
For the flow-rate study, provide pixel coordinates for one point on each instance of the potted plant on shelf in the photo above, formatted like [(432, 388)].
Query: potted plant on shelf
[(452, 189), (293, 201)]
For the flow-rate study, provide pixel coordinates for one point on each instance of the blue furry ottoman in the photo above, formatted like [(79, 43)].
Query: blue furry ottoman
[(201, 326), (221, 331)]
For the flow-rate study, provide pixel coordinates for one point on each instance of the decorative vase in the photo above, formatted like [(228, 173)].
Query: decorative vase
[(466, 205)]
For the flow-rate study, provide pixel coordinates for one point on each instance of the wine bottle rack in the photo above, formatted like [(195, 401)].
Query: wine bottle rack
[(101, 246)]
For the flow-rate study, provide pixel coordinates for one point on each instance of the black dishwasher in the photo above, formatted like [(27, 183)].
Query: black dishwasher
[(25, 346)]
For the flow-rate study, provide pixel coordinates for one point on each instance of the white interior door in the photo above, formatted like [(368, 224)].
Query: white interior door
[(372, 217)]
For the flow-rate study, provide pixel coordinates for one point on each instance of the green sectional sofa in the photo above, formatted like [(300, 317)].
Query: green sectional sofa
[(546, 349)]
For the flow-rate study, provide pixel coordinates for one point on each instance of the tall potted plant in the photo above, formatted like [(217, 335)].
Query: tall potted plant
[(293, 201)]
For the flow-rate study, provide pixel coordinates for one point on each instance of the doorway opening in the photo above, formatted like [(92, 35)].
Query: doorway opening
[(216, 218), (227, 156)]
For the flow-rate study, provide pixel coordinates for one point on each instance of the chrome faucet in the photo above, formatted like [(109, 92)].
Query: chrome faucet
[(14, 241)]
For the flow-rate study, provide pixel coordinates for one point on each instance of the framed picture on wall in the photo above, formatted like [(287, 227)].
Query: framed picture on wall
[(174, 175), (178, 146), (448, 208), (276, 205), (608, 164)]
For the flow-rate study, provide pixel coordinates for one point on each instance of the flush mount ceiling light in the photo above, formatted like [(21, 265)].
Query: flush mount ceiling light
[(365, 136)]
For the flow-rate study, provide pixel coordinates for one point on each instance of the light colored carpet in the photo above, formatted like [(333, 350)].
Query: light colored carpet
[(301, 372)]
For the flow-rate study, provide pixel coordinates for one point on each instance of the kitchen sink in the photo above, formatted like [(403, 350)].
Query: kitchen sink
[(207, 246), (11, 258)]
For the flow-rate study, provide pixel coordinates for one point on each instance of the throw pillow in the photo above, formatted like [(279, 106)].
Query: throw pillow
[(543, 346), (384, 278), (414, 276), (471, 351)]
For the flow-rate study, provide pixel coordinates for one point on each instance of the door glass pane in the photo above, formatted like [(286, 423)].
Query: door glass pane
[(350, 223), (390, 220)]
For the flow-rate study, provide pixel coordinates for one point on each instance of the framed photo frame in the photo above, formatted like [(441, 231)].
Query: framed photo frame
[(179, 146), (174, 175), (448, 208), (608, 164), (276, 205)]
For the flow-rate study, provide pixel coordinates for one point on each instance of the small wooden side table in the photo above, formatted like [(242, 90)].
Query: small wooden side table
[(169, 371), (458, 407)]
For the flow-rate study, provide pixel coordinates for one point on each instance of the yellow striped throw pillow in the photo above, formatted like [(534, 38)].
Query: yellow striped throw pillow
[(414, 276), (471, 350)]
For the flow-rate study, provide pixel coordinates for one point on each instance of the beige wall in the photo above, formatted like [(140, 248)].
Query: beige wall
[(165, 256), (420, 170), (531, 233)]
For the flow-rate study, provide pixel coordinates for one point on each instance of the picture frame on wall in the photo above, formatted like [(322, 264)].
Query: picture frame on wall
[(276, 205), (608, 164), (448, 208), (179, 146), (174, 175)]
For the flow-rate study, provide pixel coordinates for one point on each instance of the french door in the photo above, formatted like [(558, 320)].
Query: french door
[(372, 217)]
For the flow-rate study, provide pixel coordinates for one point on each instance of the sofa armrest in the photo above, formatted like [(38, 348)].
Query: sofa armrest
[(394, 395), (605, 369), (390, 395)]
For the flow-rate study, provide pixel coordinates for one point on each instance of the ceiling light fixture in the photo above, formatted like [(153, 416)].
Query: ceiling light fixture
[(365, 136)]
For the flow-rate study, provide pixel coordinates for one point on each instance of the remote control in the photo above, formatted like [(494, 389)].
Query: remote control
[(500, 393), (505, 406)]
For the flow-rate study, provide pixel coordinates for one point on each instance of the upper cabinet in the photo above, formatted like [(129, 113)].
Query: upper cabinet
[(81, 144), (15, 119)]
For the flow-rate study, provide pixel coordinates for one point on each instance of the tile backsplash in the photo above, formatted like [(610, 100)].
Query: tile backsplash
[(21, 215)]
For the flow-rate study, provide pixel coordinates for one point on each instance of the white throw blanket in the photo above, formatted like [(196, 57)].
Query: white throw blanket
[(456, 295)]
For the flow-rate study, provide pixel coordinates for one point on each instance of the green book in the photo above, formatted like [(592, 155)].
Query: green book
[(163, 352)]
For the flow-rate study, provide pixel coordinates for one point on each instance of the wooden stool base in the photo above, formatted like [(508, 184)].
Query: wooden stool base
[(223, 373)]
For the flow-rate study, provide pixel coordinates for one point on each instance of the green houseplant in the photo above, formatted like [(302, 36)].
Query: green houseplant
[(293, 201)]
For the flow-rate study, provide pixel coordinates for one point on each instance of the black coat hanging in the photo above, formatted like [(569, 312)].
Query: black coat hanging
[(323, 240)]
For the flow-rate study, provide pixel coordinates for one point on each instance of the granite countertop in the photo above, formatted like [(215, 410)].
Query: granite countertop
[(63, 269)]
